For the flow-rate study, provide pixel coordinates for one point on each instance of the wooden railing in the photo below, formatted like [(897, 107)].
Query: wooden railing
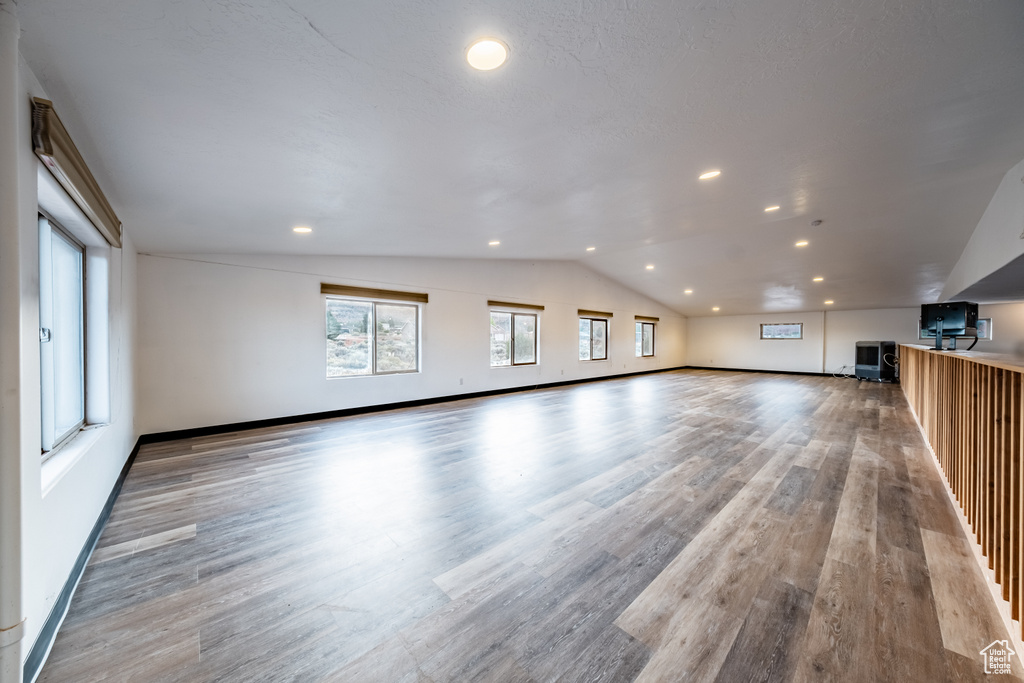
[(969, 406)]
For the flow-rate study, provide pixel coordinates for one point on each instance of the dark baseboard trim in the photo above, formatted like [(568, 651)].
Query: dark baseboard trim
[(44, 641), (213, 430), (765, 372)]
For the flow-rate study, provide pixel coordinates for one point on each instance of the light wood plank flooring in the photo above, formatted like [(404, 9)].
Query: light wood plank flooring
[(690, 525)]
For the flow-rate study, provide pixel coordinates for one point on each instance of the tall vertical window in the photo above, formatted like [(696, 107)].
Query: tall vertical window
[(371, 337), (513, 338), (644, 339), (593, 339), (61, 333)]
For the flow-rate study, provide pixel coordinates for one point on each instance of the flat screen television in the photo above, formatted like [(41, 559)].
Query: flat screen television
[(949, 320)]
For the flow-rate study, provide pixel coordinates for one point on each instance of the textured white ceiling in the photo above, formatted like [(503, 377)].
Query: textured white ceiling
[(216, 125)]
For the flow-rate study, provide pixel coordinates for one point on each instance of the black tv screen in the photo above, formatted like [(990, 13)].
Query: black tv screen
[(956, 318)]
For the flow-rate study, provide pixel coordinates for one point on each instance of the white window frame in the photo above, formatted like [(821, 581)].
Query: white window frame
[(592, 320), (775, 325), (56, 207), (533, 313), (640, 325), (372, 334), (51, 388)]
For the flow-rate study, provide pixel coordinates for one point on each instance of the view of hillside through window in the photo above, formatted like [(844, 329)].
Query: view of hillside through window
[(593, 339), (644, 339), (513, 338), (782, 331), (365, 338)]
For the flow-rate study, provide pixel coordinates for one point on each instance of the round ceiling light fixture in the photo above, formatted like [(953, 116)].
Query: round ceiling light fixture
[(487, 54), (708, 175), (302, 229)]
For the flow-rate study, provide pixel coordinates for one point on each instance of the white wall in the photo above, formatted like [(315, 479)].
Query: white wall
[(997, 238), (1007, 328), (62, 498), (830, 338), (843, 329), (734, 341), (226, 339)]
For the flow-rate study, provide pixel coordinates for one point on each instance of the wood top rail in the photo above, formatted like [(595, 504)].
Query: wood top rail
[(999, 360)]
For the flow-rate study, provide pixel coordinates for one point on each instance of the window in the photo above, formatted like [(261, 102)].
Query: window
[(644, 339), (371, 337), (593, 339), (513, 338), (61, 334), (782, 330)]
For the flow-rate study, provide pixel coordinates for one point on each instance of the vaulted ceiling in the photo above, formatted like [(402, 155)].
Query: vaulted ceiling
[(218, 125)]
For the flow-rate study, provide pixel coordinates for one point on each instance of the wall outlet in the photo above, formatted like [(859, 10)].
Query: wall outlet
[(460, 381)]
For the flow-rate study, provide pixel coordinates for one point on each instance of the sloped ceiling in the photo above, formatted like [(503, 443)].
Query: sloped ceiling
[(217, 126)]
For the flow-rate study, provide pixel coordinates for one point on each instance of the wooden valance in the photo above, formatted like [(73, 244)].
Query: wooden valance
[(508, 304), (584, 313), (370, 293), (53, 146), (647, 318)]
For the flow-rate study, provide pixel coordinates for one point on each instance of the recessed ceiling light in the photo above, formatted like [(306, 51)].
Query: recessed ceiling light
[(708, 175), (802, 243), (591, 248), (687, 291), (769, 209), (819, 279), (302, 229), (714, 308), (829, 302), (493, 243), (487, 54), (650, 266)]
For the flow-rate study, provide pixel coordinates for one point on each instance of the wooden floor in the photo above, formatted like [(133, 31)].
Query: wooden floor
[(691, 525)]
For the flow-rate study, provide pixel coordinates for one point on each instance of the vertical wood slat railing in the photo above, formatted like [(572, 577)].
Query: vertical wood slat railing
[(971, 413)]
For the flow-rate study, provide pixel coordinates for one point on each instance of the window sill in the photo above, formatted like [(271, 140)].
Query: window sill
[(376, 374), (64, 458)]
